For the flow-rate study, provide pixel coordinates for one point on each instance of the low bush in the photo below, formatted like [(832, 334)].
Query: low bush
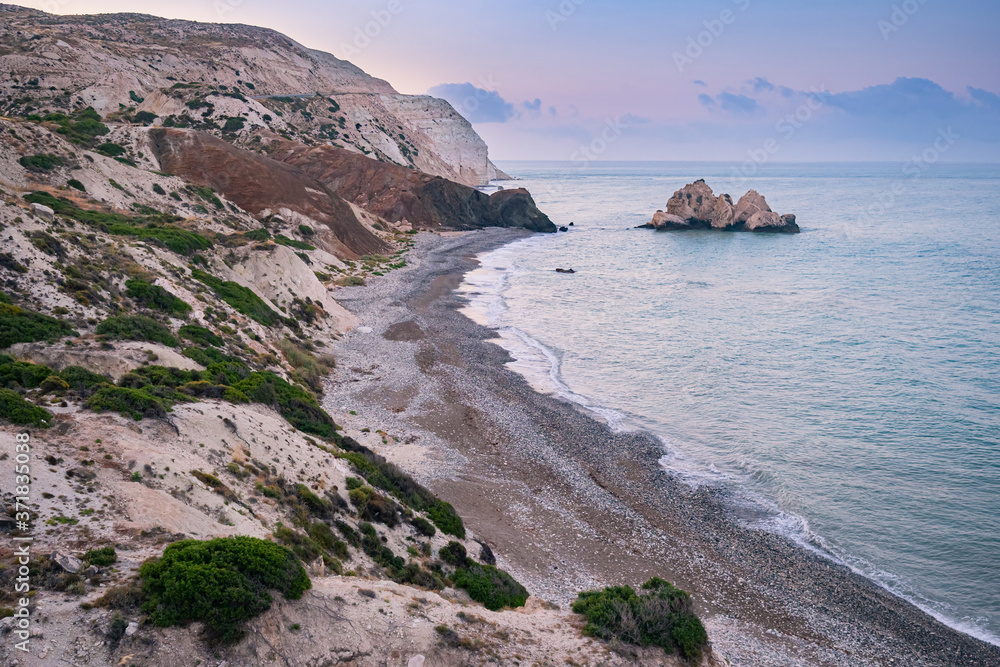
[(178, 240), (156, 297), (200, 335), (292, 243), (16, 410), (243, 299), (76, 185), (136, 327), (295, 404), (102, 557), (382, 474), (110, 149), (41, 162), (135, 403), (18, 325), (223, 583), (423, 526), (659, 615), (493, 587)]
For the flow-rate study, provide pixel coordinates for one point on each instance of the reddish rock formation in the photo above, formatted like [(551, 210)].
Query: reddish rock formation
[(399, 194), (260, 185)]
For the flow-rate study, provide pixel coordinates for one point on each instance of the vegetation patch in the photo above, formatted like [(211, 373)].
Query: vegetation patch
[(150, 228), (491, 586), (41, 162), (18, 325), (102, 557), (223, 583), (156, 297), (16, 410), (382, 474), (137, 327), (660, 614), (292, 243), (239, 297), (83, 127)]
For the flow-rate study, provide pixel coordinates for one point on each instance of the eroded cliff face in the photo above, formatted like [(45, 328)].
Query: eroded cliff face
[(408, 199), (201, 74)]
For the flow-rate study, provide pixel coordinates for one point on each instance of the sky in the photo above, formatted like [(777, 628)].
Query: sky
[(581, 80)]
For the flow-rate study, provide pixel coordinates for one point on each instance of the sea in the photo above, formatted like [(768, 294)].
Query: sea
[(846, 380)]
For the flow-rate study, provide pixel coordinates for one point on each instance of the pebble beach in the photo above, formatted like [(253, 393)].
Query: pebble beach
[(568, 504)]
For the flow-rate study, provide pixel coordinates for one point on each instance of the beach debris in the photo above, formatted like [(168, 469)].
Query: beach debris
[(565, 271), (564, 229)]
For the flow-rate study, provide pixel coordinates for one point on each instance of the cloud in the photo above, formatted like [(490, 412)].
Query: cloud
[(699, 82), (535, 105), (475, 104), (707, 100), (761, 84), (739, 105)]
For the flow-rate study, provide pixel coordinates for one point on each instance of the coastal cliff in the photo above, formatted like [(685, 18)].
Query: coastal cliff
[(695, 206), (200, 74)]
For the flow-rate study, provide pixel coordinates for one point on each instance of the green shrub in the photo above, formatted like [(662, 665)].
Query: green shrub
[(493, 587), (101, 557), (382, 474), (454, 554), (76, 185), (423, 526), (80, 379), (257, 234), (136, 327), (144, 117), (292, 243), (18, 325), (659, 615), (41, 162), (154, 296), (178, 240), (80, 128), (306, 230), (201, 335), (233, 124), (223, 583), (205, 193), (241, 298), (110, 149), (295, 404), (16, 410), (134, 403), (158, 189)]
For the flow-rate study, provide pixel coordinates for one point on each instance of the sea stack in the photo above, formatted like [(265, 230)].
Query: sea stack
[(695, 206)]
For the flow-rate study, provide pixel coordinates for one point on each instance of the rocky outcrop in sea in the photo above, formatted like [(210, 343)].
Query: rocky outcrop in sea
[(695, 206)]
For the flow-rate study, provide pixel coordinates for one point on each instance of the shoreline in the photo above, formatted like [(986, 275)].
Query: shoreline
[(568, 504)]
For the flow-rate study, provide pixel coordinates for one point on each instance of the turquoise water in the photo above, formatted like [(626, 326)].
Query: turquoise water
[(847, 378)]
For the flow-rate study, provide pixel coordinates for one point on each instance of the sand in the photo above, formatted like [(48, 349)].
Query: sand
[(567, 504)]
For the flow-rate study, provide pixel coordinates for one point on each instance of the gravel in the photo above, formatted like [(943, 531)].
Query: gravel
[(568, 504)]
